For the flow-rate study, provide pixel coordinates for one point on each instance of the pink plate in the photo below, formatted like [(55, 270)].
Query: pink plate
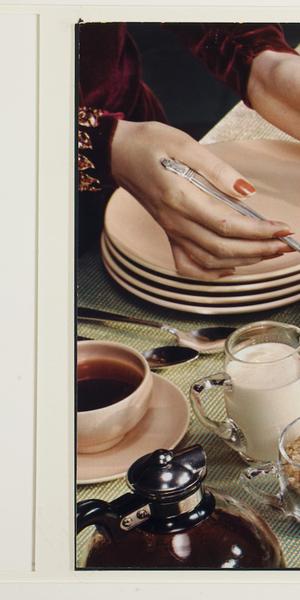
[(175, 294), (201, 309), (186, 285)]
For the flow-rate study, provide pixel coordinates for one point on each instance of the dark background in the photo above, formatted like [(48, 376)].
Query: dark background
[(192, 99)]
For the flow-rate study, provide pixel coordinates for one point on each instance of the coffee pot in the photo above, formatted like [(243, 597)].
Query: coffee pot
[(170, 521)]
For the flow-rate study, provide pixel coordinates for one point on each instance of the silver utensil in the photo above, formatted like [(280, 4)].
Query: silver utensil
[(207, 340), (201, 182), (164, 356)]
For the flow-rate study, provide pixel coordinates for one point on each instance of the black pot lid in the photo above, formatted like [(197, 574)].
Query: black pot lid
[(166, 475)]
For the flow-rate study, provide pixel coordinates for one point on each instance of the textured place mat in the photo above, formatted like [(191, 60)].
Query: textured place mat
[(242, 123), (224, 465)]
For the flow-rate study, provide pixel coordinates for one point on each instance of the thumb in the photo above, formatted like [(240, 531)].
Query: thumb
[(215, 170)]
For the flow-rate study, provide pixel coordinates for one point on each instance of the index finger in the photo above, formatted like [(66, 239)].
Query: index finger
[(220, 218)]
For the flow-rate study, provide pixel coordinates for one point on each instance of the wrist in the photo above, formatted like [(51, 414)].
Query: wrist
[(120, 147), (260, 71), (264, 74)]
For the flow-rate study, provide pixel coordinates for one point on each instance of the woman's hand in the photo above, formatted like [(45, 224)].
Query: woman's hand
[(208, 239), (274, 89)]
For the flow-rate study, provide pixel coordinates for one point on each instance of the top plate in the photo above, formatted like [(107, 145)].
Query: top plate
[(271, 165)]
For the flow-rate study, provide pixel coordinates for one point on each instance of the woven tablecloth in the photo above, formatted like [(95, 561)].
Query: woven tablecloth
[(97, 290)]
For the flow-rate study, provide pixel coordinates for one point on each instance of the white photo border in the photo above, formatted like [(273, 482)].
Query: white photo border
[(54, 517)]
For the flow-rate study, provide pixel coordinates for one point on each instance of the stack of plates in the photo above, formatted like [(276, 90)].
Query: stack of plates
[(137, 254)]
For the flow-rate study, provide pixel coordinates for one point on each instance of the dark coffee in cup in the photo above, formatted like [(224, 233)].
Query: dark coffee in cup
[(114, 389), (104, 382)]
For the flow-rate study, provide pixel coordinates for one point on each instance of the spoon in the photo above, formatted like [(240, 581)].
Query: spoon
[(207, 340), (164, 356)]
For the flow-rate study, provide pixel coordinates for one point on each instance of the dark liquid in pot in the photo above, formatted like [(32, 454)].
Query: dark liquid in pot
[(222, 541), (105, 382)]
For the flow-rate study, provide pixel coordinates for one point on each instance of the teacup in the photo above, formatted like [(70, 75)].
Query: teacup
[(114, 385), (261, 386), (286, 470)]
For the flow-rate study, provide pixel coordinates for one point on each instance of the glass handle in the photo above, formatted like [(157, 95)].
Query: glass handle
[(227, 429), (257, 473)]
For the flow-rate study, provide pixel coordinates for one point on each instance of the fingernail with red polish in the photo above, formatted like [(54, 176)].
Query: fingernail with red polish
[(288, 249), (282, 233), (244, 187)]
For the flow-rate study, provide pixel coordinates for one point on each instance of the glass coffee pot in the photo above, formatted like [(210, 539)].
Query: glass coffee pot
[(170, 521)]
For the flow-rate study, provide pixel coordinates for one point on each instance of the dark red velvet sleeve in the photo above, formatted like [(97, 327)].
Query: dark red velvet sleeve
[(228, 49), (110, 88), (104, 75)]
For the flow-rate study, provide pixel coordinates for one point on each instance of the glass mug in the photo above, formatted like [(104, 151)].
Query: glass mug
[(286, 470), (261, 385)]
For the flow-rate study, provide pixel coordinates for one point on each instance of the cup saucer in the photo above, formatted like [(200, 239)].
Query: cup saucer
[(163, 426)]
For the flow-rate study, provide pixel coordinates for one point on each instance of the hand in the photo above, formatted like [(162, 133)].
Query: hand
[(274, 89), (208, 239)]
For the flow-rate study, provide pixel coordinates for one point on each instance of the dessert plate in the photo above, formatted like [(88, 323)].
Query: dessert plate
[(193, 297), (271, 165), (186, 285), (198, 308), (163, 426)]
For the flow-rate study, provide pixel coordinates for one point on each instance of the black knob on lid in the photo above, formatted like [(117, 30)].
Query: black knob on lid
[(165, 475)]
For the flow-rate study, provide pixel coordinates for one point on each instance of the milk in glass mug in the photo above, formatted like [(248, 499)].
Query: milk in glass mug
[(261, 384)]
